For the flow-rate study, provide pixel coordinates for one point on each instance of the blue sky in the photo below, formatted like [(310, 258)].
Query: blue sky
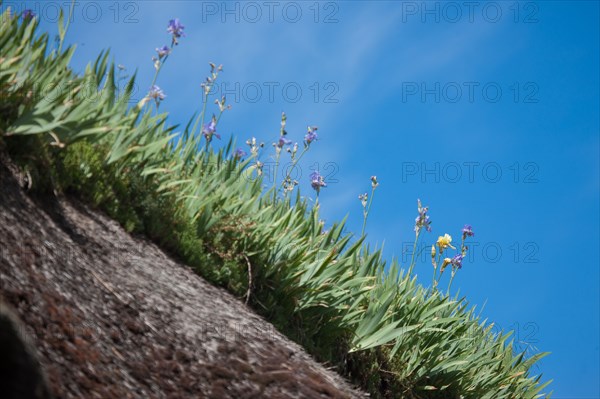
[(487, 112)]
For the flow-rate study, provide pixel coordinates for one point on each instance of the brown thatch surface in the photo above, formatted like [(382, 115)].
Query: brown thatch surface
[(112, 316)]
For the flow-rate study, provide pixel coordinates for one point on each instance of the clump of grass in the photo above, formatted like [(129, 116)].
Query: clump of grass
[(326, 290)]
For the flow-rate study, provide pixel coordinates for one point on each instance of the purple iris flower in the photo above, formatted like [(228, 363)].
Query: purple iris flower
[(156, 93), (317, 181), (164, 50), (239, 153), (457, 261), (422, 220), (467, 231), (210, 129), (28, 14), (311, 135), (175, 28), (283, 141)]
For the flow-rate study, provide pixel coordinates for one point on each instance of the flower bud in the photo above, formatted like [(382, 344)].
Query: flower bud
[(446, 262)]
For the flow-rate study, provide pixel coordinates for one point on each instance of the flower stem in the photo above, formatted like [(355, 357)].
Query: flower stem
[(412, 260), (203, 112), (292, 168), (162, 62), (275, 176), (157, 71), (368, 210), (451, 278)]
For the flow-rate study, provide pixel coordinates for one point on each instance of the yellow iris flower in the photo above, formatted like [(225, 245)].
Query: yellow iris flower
[(444, 242)]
